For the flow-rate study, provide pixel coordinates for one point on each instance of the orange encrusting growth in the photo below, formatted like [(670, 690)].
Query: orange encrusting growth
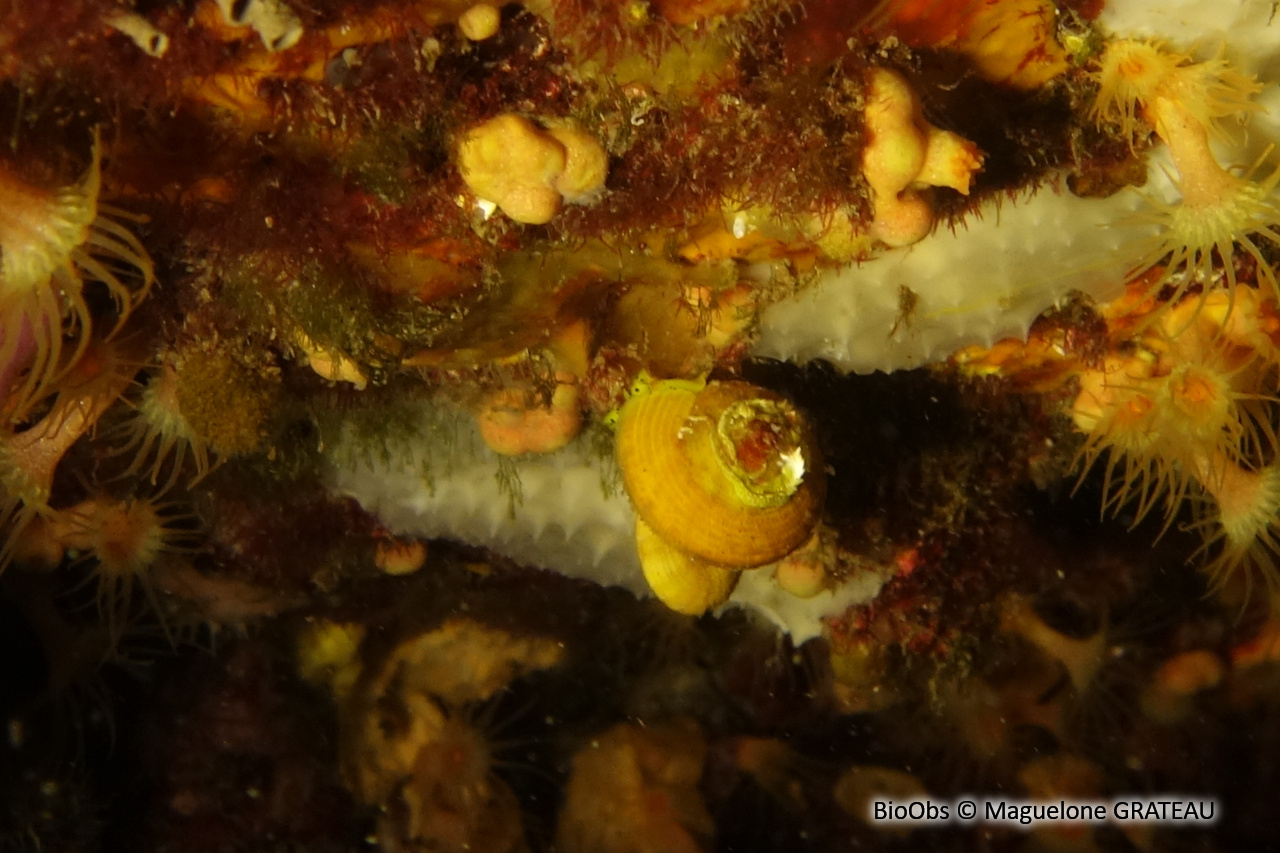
[(518, 420)]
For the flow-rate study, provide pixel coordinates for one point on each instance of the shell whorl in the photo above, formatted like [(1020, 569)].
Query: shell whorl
[(684, 583)]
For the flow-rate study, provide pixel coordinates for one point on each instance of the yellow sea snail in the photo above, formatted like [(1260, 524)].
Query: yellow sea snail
[(728, 475)]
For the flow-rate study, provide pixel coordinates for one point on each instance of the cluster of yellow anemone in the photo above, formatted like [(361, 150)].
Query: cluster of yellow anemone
[(123, 537), (61, 370), (1145, 86), (55, 243), (1182, 410)]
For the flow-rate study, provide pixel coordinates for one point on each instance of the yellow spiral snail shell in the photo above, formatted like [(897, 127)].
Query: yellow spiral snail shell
[(723, 478)]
